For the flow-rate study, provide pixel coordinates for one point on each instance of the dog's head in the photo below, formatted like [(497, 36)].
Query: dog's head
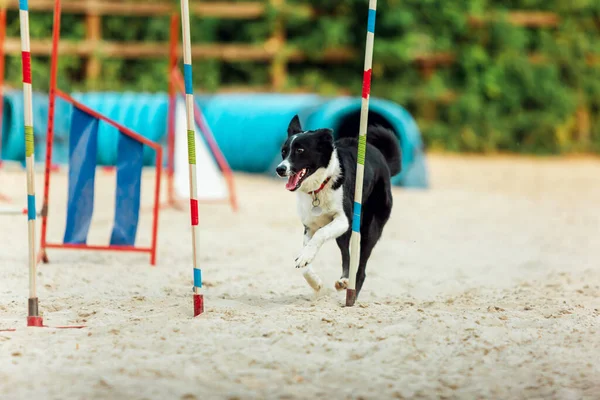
[(304, 153)]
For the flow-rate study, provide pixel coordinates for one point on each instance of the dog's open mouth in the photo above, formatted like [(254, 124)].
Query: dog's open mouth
[(295, 180)]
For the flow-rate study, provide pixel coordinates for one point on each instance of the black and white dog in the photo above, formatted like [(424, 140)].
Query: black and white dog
[(323, 173)]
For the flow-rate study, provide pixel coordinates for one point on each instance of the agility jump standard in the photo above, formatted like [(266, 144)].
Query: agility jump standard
[(360, 164), (83, 139), (189, 108)]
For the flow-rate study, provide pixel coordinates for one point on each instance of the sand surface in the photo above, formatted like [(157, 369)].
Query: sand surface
[(485, 286)]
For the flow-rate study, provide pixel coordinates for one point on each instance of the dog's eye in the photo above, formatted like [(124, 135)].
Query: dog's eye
[(283, 152), (299, 150)]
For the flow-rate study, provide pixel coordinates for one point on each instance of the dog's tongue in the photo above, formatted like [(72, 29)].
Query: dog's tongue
[(292, 182)]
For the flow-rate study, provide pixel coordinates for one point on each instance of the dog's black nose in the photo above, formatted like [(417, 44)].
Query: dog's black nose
[(281, 170)]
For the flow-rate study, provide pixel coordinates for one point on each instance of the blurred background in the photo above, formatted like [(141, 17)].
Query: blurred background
[(477, 75)]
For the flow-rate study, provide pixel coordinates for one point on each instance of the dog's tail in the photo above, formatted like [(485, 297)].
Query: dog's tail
[(386, 142)]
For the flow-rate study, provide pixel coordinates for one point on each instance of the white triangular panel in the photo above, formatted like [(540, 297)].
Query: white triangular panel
[(211, 183)]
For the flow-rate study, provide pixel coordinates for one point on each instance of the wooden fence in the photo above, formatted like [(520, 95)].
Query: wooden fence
[(273, 51), (92, 47)]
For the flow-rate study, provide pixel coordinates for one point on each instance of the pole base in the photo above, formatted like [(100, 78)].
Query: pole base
[(35, 321), (198, 304), (350, 297), (42, 257)]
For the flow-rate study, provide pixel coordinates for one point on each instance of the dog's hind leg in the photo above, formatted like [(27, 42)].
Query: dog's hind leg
[(368, 241), (309, 274), (365, 253), (375, 216), (343, 243)]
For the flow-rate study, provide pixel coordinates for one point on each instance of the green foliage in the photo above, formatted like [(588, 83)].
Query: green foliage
[(499, 99)]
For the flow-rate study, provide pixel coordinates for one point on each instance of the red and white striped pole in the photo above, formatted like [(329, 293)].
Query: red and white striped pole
[(360, 164), (33, 318), (189, 108)]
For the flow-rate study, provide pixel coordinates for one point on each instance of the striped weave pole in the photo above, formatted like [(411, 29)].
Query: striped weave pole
[(362, 149), (191, 136), (33, 318)]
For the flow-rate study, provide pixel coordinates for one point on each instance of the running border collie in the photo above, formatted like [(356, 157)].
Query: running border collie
[(322, 171)]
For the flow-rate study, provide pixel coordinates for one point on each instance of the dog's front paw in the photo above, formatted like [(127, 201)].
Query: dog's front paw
[(341, 284), (307, 255)]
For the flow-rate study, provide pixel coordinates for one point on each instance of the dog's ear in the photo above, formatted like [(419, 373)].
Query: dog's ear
[(294, 126), (325, 136), (326, 131)]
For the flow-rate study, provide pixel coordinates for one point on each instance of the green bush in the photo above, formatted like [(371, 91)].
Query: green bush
[(499, 99)]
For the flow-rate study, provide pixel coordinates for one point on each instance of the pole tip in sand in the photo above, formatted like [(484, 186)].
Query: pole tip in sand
[(35, 321), (33, 317), (198, 304), (350, 297)]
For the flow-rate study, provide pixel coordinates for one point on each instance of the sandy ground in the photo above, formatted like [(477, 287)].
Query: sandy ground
[(486, 286)]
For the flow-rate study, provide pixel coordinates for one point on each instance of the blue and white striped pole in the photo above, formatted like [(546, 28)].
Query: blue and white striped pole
[(362, 148)]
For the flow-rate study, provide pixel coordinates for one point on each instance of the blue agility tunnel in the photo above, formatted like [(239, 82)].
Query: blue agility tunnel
[(143, 113), (249, 128)]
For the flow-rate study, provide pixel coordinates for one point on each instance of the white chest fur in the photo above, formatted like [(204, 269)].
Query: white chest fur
[(331, 203), (330, 200)]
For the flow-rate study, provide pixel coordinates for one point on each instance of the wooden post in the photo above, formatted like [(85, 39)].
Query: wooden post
[(279, 62), (428, 107), (583, 126), (93, 33)]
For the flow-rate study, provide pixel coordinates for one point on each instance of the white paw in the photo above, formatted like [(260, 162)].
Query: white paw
[(307, 255), (341, 284)]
